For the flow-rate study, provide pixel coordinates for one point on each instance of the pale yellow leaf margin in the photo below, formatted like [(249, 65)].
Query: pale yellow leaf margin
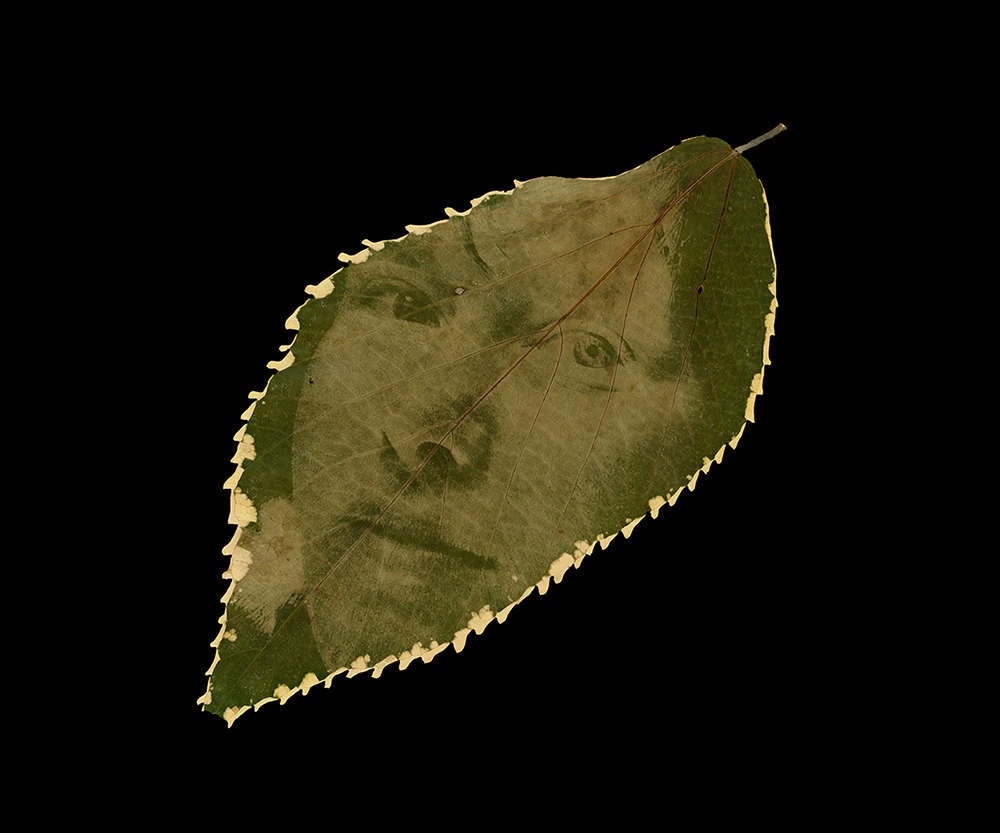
[(243, 512)]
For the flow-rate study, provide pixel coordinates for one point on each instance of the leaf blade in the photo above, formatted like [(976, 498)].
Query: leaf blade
[(554, 347)]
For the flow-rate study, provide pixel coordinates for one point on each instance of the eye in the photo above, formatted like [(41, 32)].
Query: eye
[(592, 350), (401, 300), (594, 357), (414, 305)]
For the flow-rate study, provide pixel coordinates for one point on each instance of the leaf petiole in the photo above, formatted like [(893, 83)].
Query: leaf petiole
[(760, 139)]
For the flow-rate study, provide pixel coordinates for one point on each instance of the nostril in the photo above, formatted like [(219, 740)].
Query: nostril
[(434, 461)]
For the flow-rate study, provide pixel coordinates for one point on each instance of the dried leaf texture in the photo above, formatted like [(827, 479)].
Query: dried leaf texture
[(465, 411)]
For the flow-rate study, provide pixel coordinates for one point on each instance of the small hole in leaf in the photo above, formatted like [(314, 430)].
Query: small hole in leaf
[(701, 288)]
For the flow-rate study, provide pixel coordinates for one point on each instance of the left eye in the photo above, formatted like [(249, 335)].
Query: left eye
[(592, 350), (403, 301), (414, 305)]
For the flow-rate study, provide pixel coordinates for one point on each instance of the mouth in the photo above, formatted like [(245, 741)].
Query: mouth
[(421, 535)]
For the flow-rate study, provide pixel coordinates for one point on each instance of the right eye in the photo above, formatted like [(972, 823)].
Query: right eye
[(401, 300), (593, 350)]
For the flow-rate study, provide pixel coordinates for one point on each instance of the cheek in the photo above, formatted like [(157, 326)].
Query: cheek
[(633, 456)]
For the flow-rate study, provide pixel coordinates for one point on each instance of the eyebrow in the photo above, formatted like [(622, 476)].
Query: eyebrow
[(465, 234), (520, 316)]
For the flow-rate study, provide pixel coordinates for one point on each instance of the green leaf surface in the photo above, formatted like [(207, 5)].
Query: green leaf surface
[(466, 411)]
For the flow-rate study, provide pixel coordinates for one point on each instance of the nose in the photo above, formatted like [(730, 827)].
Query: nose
[(437, 463), (454, 447)]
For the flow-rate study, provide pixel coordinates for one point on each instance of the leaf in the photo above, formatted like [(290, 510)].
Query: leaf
[(465, 411)]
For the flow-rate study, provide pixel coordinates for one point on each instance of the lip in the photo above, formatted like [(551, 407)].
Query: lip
[(420, 535)]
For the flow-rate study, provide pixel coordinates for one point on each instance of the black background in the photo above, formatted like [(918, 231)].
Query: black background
[(792, 636)]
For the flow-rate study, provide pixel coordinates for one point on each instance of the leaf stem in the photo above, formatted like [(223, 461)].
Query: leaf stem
[(760, 139)]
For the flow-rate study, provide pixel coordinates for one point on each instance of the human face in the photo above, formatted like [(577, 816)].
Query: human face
[(486, 396)]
